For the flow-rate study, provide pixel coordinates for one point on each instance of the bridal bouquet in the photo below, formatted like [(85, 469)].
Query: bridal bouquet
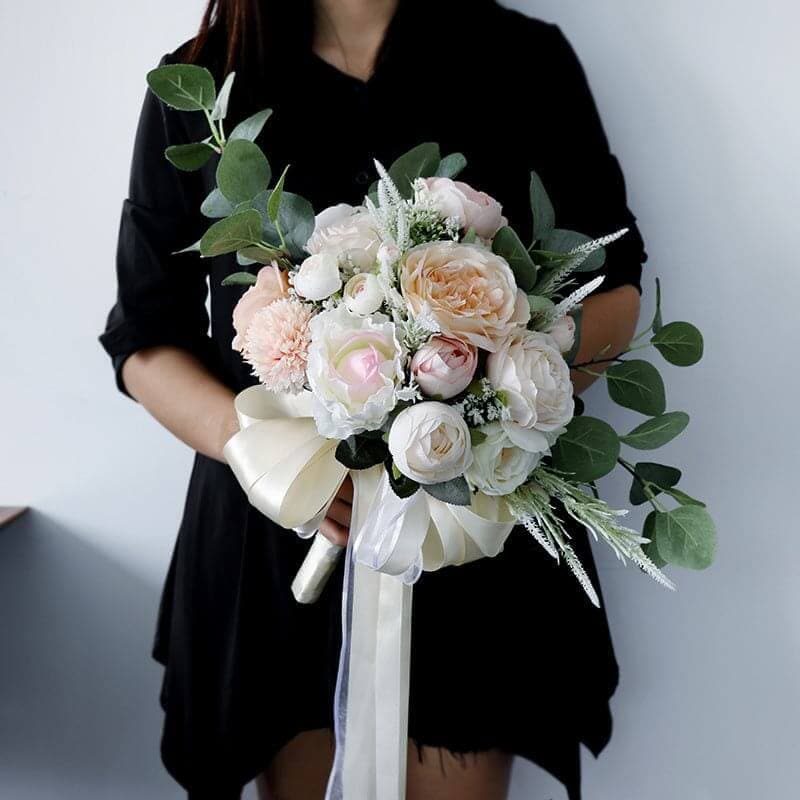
[(417, 340)]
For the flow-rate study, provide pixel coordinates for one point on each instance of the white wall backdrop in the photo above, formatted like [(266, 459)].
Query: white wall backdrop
[(700, 103)]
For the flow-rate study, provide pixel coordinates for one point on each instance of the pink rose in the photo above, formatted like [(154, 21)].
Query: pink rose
[(271, 285), (472, 208), (444, 366)]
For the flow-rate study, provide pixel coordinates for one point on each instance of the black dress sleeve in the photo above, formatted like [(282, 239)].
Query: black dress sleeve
[(161, 296), (584, 178)]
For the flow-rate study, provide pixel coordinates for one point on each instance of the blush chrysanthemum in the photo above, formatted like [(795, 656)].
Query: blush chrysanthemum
[(276, 345)]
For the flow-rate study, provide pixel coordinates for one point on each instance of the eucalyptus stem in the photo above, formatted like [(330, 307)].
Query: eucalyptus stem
[(584, 364), (219, 137), (588, 371), (651, 497)]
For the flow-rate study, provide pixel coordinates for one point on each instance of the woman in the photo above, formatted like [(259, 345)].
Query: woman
[(508, 657)]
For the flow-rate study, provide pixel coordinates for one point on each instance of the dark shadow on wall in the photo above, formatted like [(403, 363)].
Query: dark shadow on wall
[(79, 713)]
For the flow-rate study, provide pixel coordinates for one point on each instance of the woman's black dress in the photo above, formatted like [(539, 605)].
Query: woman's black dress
[(247, 668)]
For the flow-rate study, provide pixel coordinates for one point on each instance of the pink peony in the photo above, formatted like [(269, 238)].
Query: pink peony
[(444, 366), (472, 209), (276, 345), (271, 284)]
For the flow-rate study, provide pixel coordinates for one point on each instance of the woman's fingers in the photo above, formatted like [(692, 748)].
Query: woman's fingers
[(333, 532), (340, 512), (346, 490)]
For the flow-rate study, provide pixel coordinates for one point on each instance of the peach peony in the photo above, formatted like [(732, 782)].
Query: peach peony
[(271, 284), (469, 291), (276, 345)]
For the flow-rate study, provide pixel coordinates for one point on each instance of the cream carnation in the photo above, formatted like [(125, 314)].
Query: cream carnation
[(531, 371), (348, 233), (429, 443), (276, 345), (472, 209), (469, 291), (499, 467), (355, 365), (271, 284)]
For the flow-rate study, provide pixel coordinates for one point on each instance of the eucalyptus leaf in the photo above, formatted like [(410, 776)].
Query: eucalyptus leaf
[(562, 241), (239, 279), (580, 406), (220, 110), (544, 216), (685, 499), (250, 128), (686, 537), (451, 166), (188, 157), (256, 255), (469, 237), (659, 477), (539, 304), (274, 204), (295, 216), (186, 87), (680, 343), (232, 233), (476, 437), (243, 171), (651, 548), (637, 385), (361, 452), (455, 492), (658, 321), (192, 248), (657, 432), (216, 205), (420, 162), (243, 261), (587, 450), (401, 485), (508, 245)]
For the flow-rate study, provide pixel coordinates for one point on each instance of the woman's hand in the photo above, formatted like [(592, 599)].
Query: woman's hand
[(336, 526)]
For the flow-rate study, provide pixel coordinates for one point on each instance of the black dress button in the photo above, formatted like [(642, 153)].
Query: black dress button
[(363, 178)]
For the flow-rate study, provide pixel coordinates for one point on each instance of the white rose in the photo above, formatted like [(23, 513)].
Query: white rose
[(354, 367), (563, 331), (499, 467), (348, 233), (429, 443), (529, 368), (318, 277), (362, 294), (472, 209)]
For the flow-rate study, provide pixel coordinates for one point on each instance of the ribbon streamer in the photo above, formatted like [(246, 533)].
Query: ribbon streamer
[(290, 473)]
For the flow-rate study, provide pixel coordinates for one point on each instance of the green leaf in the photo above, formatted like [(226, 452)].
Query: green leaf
[(451, 166), (186, 87), (192, 248), (220, 110), (243, 171), (544, 216), (216, 205), (656, 432), (469, 237), (685, 499), (658, 322), (508, 245), (540, 304), (580, 406), (243, 261), (401, 485), (476, 436), (296, 218), (687, 537), (274, 204), (562, 241), (239, 279), (232, 233), (651, 548), (680, 343), (188, 157), (587, 450), (251, 127), (658, 477), (256, 255), (637, 385), (361, 452), (455, 492), (421, 162)]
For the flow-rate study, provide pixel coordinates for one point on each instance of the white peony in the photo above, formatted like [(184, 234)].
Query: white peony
[(529, 368), (362, 294), (498, 466), (318, 277), (348, 233), (430, 443), (355, 365)]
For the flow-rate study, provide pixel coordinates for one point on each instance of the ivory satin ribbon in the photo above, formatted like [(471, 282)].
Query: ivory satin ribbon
[(290, 474)]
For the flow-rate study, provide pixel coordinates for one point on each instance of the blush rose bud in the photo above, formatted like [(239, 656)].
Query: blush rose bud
[(318, 277), (362, 294), (444, 366)]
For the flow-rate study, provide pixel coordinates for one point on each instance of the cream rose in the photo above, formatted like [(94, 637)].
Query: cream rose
[(472, 209), (318, 277), (531, 371), (362, 294), (498, 466), (444, 366), (354, 367), (469, 291), (271, 285), (429, 443), (563, 331), (347, 232)]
